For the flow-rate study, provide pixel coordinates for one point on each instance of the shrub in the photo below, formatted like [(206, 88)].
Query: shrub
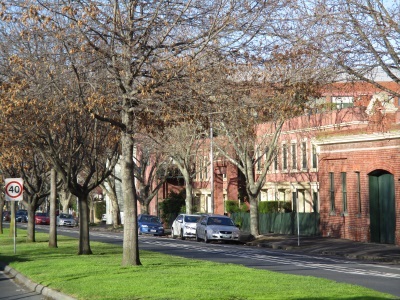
[(287, 206), (100, 209), (172, 206), (274, 206), (232, 206)]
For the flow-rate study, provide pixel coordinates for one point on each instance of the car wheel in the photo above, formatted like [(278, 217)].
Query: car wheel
[(182, 237), (206, 240), (172, 233), (197, 237)]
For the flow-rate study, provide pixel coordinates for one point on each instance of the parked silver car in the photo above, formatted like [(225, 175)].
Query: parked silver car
[(66, 220), (216, 227), (184, 226)]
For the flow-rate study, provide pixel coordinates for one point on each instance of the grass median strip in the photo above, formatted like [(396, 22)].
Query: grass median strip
[(101, 276)]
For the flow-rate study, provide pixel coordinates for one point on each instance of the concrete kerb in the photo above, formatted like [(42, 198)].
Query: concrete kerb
[(33, 286)]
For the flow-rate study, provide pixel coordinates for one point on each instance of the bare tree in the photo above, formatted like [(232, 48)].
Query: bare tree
[(252, 113), (43, 79), (65, 197), (150, 170), (360, 37), (82, 164), (29, 165), (184, 144), (144, 46), (109, 187)]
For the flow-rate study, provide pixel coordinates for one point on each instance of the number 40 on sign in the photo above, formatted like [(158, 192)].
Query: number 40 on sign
[(14, 188)]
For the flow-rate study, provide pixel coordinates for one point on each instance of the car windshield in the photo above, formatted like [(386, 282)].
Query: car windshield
[(191, 219), (22, 212), (149, 219), (220, 221), (41, 214), (66, 216)]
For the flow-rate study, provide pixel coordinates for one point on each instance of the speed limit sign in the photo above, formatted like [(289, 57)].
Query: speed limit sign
[(14, 188)]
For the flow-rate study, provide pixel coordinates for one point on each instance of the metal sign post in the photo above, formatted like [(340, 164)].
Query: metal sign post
[(14, 189)]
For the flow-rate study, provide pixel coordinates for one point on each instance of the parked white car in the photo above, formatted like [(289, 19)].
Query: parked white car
[(216, 227), (184, 226), (66, 220)]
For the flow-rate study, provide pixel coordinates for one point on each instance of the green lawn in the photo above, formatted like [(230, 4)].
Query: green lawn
[(100, 276)]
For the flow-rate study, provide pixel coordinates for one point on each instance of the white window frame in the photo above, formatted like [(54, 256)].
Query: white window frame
[(343, 101)]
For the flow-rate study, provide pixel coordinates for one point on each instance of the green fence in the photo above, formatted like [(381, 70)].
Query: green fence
[(281, 223)]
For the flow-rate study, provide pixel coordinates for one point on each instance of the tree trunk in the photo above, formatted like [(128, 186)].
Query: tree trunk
[(30, 230), (91, 210), (116, 214), (65, 199), (254, 224), (189, 191), (144, 208), (53, 206), (130, 255), (189, 198), (84, 242)]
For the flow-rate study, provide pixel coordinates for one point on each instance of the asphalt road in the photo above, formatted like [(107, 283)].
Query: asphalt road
[(381, 277)]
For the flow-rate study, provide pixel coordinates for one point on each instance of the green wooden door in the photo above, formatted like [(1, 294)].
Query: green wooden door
[(382, 208)]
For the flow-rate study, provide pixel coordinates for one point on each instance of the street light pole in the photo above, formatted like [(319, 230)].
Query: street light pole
[(211, 167)]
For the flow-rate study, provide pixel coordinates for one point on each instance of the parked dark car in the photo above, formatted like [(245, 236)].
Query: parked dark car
[(6, 216), (42, 219), (148, 224), (21, 216)]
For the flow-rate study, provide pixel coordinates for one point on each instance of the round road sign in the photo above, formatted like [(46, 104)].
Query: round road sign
[(14, 189)]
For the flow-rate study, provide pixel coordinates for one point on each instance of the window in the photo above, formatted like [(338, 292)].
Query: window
[(314, 157), (332, 191), (343, 102), (304, 155), (344, 192), (281, 195), (276, 162), (294, 156), (358, 192), (206, 166), (200, 171), (301, 200), (284, 156)]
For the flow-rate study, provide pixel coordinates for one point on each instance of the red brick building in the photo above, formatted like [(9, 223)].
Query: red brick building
[(343, 162)]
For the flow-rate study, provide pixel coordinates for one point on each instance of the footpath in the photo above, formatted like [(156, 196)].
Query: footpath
[(382, 253)]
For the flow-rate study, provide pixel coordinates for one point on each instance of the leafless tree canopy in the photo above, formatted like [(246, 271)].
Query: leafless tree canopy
[(360, 37)]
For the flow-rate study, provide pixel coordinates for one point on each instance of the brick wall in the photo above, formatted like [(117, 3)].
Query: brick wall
[(361, 157)]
